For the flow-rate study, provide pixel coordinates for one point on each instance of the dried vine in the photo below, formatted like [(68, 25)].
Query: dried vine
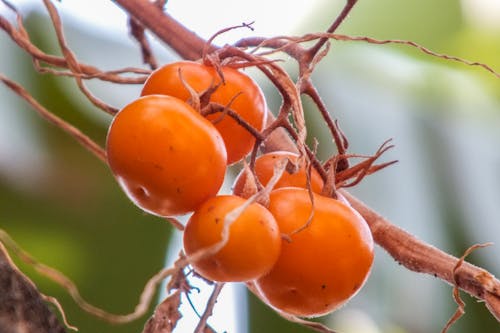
[(280, 133)]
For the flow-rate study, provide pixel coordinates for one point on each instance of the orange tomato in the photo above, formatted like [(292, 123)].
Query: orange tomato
[(253, 244), (167, 158), (322, 266), (264, 170), (248, 103)]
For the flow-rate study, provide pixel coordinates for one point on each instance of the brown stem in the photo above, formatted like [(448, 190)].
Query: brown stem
[(340, 143), (202, 324), (214, 108), (137, 31), (83, 139), (290, 46), (293, 49), (185, 42), (420, 257), (19, 37), (73, 64), (342, 16)]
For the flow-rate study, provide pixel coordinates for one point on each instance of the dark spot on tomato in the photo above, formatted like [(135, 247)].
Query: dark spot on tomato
[(140, 192), (214, 263), (217, 220), (323, 286)]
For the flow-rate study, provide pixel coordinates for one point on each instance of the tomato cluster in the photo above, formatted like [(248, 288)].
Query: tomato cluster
[(305, 253), (167, 157)]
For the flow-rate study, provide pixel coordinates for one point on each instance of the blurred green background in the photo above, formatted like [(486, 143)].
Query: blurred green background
[(62, 205)]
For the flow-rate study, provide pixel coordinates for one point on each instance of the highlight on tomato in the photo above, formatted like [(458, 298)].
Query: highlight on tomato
[(253, 243), (238, 90), (166, 157), (326, 259), (264, 170)]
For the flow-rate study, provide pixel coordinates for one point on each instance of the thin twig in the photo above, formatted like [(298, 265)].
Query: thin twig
[(338, 21), (341, 144), (285, 43), (417, 46), (21, 38), (142, 307), (137, 31), (213, 108), (73, 64), (202, 324), (83, 139)]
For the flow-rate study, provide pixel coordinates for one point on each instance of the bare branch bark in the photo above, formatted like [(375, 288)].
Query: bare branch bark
[(22, 307), (421, 257), (141, 308)]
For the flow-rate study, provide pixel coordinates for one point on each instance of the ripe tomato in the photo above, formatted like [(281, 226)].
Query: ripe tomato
[(167, 158), (252, 248), (264, 169), (248, 103), (324, 264)]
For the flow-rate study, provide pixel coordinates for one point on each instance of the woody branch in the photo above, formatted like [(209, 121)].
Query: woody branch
[(414, 254)]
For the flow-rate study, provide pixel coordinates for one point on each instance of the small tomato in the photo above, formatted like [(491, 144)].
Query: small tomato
[(323, 264), (253, 243), (167, 158)]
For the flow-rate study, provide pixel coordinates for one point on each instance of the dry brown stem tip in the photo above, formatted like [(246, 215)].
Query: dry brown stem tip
[(456, 292), (22, 306)]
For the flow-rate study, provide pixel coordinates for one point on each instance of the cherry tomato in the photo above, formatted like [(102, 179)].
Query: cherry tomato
[(324, 264), (248, 103), (264, 170), (253, 245), (167, 158)]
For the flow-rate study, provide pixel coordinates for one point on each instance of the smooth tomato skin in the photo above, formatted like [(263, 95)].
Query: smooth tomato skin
[(264, 169), (322, 266), (167, 158), (252, 249), (249, 103)]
